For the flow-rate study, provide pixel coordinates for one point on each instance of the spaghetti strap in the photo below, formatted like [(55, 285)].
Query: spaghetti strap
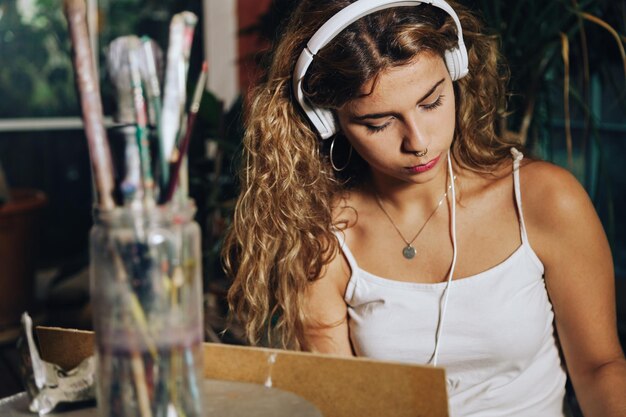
[(346, 251), (341, 238), (517, 157)]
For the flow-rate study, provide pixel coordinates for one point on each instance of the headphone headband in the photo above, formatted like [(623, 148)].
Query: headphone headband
[(323, 119)]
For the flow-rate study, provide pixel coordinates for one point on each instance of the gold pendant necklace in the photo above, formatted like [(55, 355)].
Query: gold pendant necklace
[(409, 251)]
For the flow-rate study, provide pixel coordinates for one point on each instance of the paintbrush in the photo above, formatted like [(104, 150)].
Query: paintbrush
[(190, 21), (91, 104), (96, 135), (180, 153), (174, 92), (173, 95), (141, 118), (190, 25), (118, 67), (150, 66)]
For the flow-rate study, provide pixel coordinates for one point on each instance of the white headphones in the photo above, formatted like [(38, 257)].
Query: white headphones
[(323, 119)]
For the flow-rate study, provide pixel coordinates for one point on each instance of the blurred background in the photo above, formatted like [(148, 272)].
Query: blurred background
[(567, 103)]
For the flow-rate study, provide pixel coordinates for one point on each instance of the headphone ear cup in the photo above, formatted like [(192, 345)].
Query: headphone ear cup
[(457, 62), (323, 120), (327, 119), (453, 62)]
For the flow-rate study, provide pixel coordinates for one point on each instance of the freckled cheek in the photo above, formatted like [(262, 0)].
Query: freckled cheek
[(377, 153), (366, 149), (445, 128), (442, 127), (360, 142), (358, 137)]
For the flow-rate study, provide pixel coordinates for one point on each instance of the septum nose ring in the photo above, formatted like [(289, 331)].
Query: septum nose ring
[(421, 153)]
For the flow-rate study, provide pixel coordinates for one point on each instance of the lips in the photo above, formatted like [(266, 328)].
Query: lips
[(424, 167)]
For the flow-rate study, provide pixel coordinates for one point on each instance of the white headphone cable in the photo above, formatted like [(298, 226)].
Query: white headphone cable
[(454, 253)]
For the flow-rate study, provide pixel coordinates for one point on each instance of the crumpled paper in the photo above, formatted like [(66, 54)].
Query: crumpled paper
[(47, 384)]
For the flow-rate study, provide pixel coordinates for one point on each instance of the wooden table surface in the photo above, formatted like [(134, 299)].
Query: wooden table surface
[(221, 398)]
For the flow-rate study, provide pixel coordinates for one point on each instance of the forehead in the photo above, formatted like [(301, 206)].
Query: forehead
[(392, 84)]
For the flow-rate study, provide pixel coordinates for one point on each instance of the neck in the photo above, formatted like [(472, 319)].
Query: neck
[(403, 197)]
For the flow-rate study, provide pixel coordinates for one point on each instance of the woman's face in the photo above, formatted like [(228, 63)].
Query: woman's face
[(410, 109)]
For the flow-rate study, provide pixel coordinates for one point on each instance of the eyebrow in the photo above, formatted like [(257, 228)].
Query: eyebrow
[(381, 115)]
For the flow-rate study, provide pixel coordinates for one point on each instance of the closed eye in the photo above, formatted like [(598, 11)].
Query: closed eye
[(378, 128), (434, 104), (426, 107)]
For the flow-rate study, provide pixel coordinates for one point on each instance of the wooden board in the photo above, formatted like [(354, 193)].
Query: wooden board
[(338, 386)]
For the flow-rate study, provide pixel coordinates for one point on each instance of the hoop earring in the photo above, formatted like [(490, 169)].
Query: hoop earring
[(332, 163)]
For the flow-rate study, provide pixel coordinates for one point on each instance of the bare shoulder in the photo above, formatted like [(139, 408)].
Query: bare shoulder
[(556, 207), (547, 177), (335, 274), (551, 194)]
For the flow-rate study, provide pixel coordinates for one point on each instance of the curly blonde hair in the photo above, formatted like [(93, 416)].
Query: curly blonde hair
[(282, 232)]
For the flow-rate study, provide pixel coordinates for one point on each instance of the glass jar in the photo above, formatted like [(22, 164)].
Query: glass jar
[(146, 292)]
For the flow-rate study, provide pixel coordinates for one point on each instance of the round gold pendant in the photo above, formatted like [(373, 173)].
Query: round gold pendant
[(408, 252)]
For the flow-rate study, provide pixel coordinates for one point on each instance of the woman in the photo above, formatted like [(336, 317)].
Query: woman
[(383, 214)]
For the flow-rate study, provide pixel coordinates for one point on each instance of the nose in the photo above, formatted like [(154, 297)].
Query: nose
[(414, 138)]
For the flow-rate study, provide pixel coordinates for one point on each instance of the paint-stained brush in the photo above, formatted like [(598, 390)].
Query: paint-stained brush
[(91, 103), (173, 95), (180, 153), (118, 68), (141, 117)]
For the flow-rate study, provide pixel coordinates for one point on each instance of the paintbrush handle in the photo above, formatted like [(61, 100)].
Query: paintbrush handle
[(184, 145), (91, 104), (141, 118), (173, 94), (180, 155)]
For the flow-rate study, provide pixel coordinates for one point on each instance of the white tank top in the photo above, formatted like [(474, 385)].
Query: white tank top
[(497, 344)]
